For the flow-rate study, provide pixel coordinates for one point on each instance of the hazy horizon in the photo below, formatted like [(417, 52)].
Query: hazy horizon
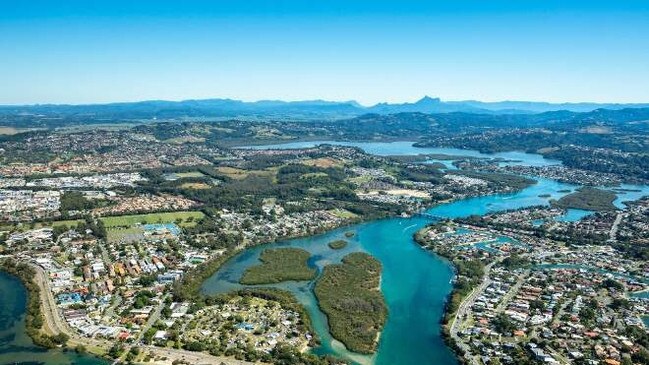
[(410, 101)]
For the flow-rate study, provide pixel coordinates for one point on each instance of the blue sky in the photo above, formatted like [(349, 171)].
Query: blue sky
[(101, 51)]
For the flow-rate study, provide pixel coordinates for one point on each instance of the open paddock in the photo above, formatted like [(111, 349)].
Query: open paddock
[(185, 219)]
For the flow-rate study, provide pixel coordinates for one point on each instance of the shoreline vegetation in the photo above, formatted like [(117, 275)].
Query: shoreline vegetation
[(278, 265), (468, 275), (348, 293), (34, 317), (337, 244), (189, 287), (587, 198)]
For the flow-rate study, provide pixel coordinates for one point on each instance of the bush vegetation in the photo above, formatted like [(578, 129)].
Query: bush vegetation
[(189, 287), (277, 265), (588, 199), (348, 293), (337, 244)]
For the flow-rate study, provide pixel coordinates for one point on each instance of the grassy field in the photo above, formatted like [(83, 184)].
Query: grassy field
[(189, 219), (68, 223), (196, 186), (189, 174), (124, 234), (240, 174), (313, 175), (9, 131), (358, 180), (233, 173), (342, 213), (185, 139), (348, 293), (322, 162), (277, 265)]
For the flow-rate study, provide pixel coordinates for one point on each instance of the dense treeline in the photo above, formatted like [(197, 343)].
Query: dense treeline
[(75, 201), (515, 182), (421, 173), (287, 355), (292, 182), (532, 140), (514, 262), (587, 198), (189, 287), (469, 273), (277, 265), (33, 317), (315, 188), (348, 293)]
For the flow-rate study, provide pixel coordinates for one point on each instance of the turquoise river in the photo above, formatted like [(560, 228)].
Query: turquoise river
[(415, 282)]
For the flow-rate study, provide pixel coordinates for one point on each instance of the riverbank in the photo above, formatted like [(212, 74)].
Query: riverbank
[(459, 292), (415, 283), (189, 287), (419, 288), (35, 317), (16, 346), (42, 310), (466, 284)]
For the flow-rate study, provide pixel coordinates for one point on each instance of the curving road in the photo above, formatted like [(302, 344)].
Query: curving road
[(464, 309), (54, 323)]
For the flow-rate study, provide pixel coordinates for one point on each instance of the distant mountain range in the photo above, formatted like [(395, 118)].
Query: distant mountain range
[(309, 109), (436, 105)]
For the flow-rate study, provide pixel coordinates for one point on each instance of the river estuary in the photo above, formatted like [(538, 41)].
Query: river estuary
[(415, 282)]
